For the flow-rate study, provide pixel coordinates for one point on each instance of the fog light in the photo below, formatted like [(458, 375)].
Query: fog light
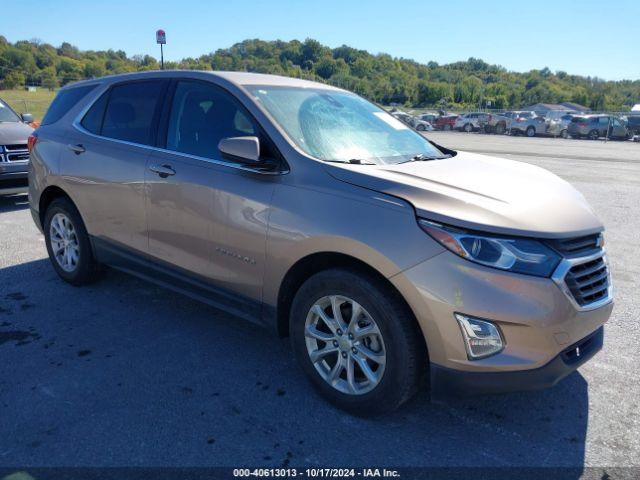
[(481, 338)]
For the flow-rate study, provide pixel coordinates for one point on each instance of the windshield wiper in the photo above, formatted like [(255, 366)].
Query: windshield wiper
[(353, 161), (424, 158)]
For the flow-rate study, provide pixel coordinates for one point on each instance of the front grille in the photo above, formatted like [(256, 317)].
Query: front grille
[(17, 147), (588, 282), (18, 157), (577, 246), (14, 153)]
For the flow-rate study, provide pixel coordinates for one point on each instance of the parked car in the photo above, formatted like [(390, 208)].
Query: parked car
[(596, 126), (445, 122), (429, 117), (529, 126), (633, 124), (470, 122), (559, 127), (501, 122), (413, 122), (304, 208), (14, 155)]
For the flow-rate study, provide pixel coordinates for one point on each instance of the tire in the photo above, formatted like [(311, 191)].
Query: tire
[(500, 128), (468, 128), (399, 340), (488, 129), (420, 128), (594, 135), (564, 133), (531, 132), (446, 127), (79, 267)]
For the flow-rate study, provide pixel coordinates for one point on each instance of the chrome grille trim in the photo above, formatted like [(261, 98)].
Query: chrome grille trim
[(577, 283), (14, 154)]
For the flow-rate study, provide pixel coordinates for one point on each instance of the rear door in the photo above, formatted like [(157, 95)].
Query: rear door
[(105, 158), (208, 215)]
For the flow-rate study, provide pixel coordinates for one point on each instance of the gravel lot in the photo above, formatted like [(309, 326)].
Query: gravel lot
[(123, 373)]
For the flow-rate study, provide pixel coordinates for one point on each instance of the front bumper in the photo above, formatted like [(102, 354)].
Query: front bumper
[(448, 383), (13, 181), (536, 316)]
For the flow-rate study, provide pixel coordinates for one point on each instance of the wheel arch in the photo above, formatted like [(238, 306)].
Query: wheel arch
[(48, 195), (314, 263)]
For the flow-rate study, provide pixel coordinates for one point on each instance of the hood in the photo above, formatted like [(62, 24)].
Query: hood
[(12, 133), (482, 193)]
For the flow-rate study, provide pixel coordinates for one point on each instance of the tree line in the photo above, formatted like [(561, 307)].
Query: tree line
[(378, 77)]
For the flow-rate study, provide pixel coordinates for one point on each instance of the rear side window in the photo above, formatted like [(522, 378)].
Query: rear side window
[(65, 101), (92, 121), (131, 111)]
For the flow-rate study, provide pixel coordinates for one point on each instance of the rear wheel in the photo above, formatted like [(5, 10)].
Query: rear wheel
[(531, 132), (420, 128), (446, 127), (68, 243), (594, 135), (468, 127), (564, 133), (500, 128), (356, 342)]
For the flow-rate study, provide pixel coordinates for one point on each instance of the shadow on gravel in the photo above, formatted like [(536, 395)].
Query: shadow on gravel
[(125, 373), (12, 203)]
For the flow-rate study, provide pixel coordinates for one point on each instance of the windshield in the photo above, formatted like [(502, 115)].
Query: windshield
[(6, 114), (341, 127)]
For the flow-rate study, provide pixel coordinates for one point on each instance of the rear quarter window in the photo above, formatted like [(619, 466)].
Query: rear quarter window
[(131, 111), (65, 101)]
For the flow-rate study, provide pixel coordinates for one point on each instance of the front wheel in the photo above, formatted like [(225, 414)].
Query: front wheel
[(564, 133), (68, 243), (594, 135), (420, 128), (531, 132), (468, 127), (446, 127), (356, 342), (500, 128)]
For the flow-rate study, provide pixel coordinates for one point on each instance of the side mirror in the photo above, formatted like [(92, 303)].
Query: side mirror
[(27, 117), (241, 149)]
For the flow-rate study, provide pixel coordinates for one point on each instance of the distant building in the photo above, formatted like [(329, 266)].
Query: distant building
[(545, 108)]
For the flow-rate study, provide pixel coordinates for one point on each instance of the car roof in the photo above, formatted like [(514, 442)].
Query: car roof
[(237, 78)]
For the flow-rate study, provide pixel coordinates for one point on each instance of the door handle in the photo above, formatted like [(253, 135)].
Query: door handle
[(163, 171), (77, 149)]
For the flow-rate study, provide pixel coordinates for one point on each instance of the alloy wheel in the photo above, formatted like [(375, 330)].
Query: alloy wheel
[(345, 345), (64, 242)]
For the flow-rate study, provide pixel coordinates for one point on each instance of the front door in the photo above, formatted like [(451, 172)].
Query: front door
[(207, 215)]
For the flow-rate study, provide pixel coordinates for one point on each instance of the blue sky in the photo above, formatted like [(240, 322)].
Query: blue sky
[(580, 36)]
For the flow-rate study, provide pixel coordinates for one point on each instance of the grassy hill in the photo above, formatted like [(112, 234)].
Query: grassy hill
[(35, 103), (380, 77)]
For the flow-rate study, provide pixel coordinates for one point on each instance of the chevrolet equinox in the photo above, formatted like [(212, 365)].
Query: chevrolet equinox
[(389, 261)]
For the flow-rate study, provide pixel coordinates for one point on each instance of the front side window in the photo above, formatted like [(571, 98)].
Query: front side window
[(131, 111), (202, 115), (7, 115), (339, 126)]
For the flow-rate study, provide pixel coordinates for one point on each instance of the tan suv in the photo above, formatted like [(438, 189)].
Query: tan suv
[(387, 259)]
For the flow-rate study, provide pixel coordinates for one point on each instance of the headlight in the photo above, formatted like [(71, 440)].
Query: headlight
[(514, 254), (481, 338)]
